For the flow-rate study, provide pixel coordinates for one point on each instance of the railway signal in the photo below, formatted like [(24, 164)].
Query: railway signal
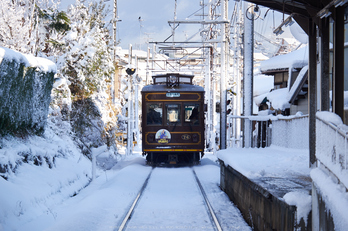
[(130, 71)]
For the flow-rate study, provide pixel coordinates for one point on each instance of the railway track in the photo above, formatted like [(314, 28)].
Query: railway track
[(131, 209), (210, 210), (215, 223)]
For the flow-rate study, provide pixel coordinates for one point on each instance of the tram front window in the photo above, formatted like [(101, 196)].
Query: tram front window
[(154, 113), (173, 113), (192, 114)]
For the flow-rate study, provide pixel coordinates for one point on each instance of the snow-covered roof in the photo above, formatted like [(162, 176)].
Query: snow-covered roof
[(124, 52), (260, 57), (296, 87), (281, 98), (43, 64), (278, 99), (262, 84), (295, 59)]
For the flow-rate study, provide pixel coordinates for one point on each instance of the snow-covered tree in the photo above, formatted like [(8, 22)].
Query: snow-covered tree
[(86, 67), (25, 25)]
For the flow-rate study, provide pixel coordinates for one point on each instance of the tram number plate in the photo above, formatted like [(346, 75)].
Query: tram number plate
[(173, 94)]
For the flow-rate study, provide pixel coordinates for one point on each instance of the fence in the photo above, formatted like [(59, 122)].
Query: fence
[(284, 131), (291, 132), (331, 150)]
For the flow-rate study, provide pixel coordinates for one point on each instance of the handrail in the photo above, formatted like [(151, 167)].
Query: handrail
[(268, 117), (324, 164), (334, 127), (331, 174)]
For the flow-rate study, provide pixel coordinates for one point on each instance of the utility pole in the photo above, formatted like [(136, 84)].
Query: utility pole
[(207, 86), (147, 65), (224, 74), (237, 25), (114, 39), (136, 103), (130, 106), (248, 71)]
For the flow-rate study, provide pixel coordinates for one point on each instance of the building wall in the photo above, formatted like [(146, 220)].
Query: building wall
[(302, 106)]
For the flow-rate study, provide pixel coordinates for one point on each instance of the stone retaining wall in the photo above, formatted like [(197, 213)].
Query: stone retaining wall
[(25, 93), (260, 209)]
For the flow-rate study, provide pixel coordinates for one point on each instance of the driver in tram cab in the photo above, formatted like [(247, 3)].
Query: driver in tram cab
[(153, 117), (194, 118)]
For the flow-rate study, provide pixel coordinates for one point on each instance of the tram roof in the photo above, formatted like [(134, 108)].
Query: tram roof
[(172, 82), (165, 88)]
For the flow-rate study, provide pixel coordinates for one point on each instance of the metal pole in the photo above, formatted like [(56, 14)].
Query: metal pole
[(130, 109), (114, 25), (136, 100), (338, 79), (213, 102), (237, 75), (207, 82), (224, 62), (248, 73), (147, 66), (312, 77), (324, 65), (114, 22), (153, 56)]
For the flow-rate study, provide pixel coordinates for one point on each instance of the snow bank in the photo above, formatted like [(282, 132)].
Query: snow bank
[(335, 197), (281, 171), (303, 202), (28, 60), (41, 172), (329, 117), (266, 162)]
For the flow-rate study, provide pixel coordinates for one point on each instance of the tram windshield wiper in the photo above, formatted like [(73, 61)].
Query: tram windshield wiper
[(175, 123)]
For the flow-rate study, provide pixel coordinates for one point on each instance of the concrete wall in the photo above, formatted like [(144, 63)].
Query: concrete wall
[(260, 209)]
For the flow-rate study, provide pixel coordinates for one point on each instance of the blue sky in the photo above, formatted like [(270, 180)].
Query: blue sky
[(156, 13)]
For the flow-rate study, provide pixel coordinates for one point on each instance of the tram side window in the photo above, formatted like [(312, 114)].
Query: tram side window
[(154, 113), (173, 113), (192, 114)]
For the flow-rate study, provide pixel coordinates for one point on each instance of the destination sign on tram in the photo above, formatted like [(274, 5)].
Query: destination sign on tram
[(172, 94)]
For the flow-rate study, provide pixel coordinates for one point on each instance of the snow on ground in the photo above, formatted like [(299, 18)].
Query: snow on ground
[(209, 175), (273, 161), (282, 171), (172, 200), (63, 198), (335, 197)]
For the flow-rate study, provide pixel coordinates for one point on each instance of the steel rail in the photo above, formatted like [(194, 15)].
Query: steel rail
[(130, 211), (209, 207)]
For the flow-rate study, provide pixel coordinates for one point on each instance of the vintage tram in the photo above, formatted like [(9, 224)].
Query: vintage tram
[(173, 120)]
